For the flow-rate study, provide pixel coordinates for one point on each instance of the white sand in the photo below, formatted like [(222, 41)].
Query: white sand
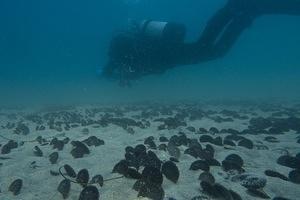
[(39, 184)]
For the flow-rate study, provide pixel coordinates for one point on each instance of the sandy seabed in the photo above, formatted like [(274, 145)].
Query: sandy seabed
[(120, 126)]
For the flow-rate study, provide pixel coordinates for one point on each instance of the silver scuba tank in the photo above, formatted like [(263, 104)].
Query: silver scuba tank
[(164, 31)]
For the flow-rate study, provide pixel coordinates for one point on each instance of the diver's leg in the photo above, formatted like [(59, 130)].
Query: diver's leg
[(231, 34), (215, 26), (245, 11), (221, 19), (225, 27)]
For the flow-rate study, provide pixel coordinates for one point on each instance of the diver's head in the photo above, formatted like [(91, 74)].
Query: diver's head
[(121, 57)]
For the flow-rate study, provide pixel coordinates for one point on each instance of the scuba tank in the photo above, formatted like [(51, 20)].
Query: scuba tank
[(163, 31)]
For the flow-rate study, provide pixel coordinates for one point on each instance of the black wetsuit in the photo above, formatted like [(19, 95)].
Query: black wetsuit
[(142, 56)]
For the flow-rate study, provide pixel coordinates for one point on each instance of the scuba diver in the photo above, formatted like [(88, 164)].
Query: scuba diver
[(153, 47)]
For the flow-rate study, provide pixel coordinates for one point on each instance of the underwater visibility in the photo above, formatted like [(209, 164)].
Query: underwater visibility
[(150, 99)]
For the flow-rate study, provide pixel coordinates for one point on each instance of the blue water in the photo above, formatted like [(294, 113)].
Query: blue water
[(50, 51)]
